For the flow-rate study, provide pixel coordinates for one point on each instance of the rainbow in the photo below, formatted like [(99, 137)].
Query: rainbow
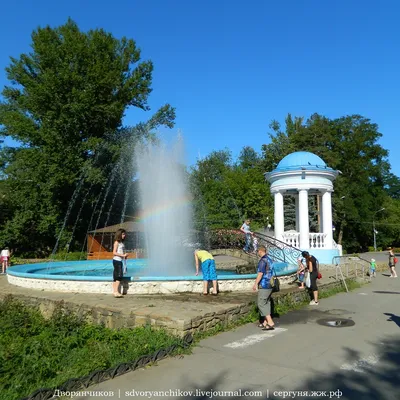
[(165, 208)]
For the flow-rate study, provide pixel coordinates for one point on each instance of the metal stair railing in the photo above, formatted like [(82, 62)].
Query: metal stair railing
[(235, 239), (282, 251), (355, 261)]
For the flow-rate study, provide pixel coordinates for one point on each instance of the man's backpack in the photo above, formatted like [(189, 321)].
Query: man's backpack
[(274, 282)]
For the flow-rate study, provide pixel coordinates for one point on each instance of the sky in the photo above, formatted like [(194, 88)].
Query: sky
[(230, 67)]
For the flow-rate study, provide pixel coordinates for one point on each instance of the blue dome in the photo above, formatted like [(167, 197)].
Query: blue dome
[(301, 159)]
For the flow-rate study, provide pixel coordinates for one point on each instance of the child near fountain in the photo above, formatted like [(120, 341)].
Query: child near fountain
[(208, 268), (301, 272), (119, 256), (255, 244)]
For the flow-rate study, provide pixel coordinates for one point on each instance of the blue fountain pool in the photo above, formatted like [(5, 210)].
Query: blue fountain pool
[(96, 277), (102, 270)]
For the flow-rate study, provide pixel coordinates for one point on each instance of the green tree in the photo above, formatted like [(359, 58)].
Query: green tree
[(248, 158), (227, 191), (211, 196), (280, 142), (65, 105)]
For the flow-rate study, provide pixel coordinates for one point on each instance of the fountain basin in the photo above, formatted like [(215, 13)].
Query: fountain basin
[(96, 277)]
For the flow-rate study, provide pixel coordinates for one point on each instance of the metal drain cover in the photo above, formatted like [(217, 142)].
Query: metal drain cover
[(336, 322)]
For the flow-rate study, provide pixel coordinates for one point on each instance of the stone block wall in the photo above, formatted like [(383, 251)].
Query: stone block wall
[(113, 318)]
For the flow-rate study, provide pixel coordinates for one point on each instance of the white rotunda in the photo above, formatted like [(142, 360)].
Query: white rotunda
[(301, 175)]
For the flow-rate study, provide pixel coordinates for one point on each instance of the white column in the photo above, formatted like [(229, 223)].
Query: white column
[(279, 216), (327, 219), (296, 204), (304, 220), (321, 222)]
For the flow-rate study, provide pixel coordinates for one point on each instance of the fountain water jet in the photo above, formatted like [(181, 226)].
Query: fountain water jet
[(166, 210)]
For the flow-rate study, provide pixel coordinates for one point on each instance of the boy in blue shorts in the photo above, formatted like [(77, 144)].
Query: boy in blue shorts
[(208, 268)]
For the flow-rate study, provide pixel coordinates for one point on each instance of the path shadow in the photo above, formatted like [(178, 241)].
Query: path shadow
[(369, 377), (395, 319), (385, 292), (125, 285), (216, 388), (363, 377)]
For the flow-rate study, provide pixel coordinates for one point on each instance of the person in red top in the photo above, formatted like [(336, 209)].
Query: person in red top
[(392, 263)]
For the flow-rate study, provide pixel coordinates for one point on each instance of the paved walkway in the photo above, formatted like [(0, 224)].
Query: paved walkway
[(355, 362)]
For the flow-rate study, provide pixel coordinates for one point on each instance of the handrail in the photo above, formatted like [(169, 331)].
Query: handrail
[(348, 256), (290, 254), (235, 239)]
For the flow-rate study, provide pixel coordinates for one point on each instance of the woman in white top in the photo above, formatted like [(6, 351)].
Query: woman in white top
[(5, 256), (119, 256)]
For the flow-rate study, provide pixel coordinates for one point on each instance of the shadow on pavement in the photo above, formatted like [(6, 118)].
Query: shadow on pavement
[(395, 319), (371, 377), (218, 389), (385, 292), (368, 378)]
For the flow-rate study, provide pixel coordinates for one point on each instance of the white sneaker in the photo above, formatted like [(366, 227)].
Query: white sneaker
[(313, 303)]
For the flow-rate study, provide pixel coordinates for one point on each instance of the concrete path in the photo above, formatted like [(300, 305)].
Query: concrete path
[(379, 256), (301, 356)]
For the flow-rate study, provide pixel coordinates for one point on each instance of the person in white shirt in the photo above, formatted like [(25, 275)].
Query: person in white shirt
[(119, 256), (5, 258), (245, 228)]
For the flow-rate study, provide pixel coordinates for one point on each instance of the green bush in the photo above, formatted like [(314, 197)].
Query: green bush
[(72, 256), (60, 256), (38, 353), (226, 238)]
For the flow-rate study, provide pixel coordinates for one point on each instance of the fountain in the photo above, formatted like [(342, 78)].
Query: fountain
[(166, 216)]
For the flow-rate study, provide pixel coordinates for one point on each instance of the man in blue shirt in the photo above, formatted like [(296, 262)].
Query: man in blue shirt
[(263, 285)]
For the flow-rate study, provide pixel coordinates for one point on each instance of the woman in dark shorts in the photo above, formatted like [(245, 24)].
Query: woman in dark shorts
[(119, 256), (312, 267)]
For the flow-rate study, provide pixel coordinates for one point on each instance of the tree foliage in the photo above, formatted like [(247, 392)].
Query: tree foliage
[(228, 191), (65, 104)]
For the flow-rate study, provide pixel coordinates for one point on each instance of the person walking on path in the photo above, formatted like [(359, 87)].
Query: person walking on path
[(208, 268), (119, 256), (392, 263), (312, 267), (245, 228), (264, 288), (5, 258)]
